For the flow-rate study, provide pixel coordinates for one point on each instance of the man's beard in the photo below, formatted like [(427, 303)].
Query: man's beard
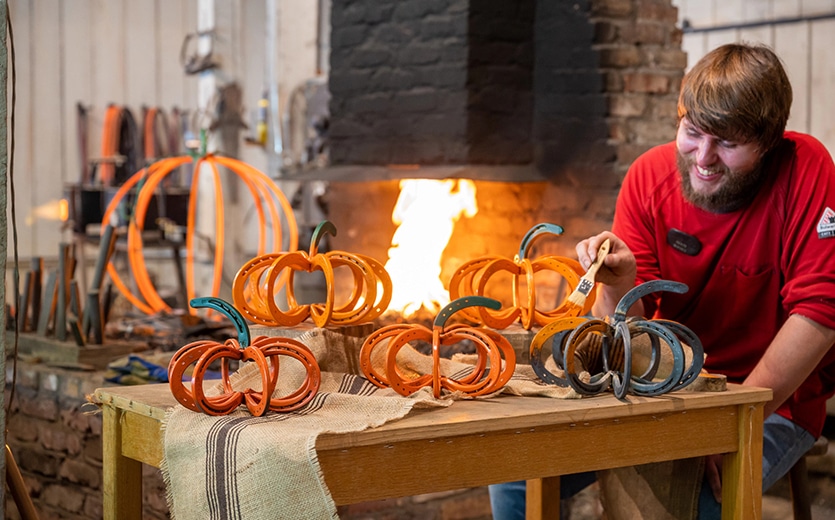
[(737, 189)]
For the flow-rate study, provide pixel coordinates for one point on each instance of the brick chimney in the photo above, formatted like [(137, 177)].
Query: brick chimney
[(543, 103)]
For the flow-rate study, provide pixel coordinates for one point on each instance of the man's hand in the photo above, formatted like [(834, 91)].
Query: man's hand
[(713, 474), (617, 274), (619, 267)]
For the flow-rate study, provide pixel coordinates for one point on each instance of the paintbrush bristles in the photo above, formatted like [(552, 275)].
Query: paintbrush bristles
[(584, 287)]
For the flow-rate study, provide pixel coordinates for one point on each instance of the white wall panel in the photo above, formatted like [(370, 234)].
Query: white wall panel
[(22, 21), (727, 11), (698, 12), (141, 55), (717, 38), (173, 25), (695, 45), (108, 53), (48, 157), (791, 43), (822, 83), (253, 80), (812, 7), (77, 73), (755, 10), (760, 34), (785, 8)]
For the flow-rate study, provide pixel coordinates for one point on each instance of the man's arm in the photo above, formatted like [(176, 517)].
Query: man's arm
[(794, 353)]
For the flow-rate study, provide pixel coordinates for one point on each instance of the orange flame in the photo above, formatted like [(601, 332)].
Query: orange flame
[(425, 213)]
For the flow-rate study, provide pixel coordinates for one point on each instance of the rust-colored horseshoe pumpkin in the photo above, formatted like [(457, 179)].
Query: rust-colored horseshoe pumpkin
[(254, 289), (489, 375), (474, 277), (263, 351)]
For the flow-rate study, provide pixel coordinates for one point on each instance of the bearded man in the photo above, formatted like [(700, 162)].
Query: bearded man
[(741, 211)]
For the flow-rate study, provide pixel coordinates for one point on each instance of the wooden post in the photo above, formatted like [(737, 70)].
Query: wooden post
[(742, 471), (542, 499), (122, 476)]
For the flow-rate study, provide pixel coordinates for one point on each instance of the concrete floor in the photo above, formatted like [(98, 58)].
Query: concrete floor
[(776, 508)]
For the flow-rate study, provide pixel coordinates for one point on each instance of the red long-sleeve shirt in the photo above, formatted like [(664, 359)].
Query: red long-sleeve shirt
[(757, 265)]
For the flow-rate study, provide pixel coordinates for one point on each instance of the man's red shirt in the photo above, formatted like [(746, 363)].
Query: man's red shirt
[(757, 265)]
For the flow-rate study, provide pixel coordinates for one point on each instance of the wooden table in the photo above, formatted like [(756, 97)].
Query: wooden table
[(475, 443)]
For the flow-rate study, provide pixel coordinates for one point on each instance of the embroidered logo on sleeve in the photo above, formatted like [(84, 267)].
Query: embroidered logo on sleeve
[(826, 225)]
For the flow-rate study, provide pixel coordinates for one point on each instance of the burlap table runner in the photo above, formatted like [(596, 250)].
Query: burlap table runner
[(241, 467), (245, 468)]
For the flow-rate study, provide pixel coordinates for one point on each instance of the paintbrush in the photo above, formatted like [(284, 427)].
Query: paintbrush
[(578, 297)]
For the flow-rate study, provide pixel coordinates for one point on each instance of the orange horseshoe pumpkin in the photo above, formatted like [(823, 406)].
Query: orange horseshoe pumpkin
[(264, 192), (263, 351), (255, 286), (473, 277), (489, 375)]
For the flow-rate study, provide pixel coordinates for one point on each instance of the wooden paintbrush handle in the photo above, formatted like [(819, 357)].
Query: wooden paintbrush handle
[(601, 255)]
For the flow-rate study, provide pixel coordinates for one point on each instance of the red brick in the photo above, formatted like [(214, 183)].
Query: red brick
[(55, 438), (39, 407), (661, 10), (646, 82), (670, 59), (620, 57), (627, 153), (80, 473), (627, 105), (613, 8), (606, 31), (67, 498), (655, 131), (650, 33), (93, 507)]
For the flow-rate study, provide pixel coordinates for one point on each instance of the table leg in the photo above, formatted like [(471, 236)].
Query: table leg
[(122, 485), (542, 499), (742, 473)]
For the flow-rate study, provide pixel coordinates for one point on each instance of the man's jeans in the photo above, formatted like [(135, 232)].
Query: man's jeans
[(783, 444), (508, 500)]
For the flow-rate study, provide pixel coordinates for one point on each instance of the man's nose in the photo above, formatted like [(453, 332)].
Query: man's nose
[(705, 153)]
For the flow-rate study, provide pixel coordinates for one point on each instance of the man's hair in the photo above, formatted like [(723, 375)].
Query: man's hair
[(738, 92)]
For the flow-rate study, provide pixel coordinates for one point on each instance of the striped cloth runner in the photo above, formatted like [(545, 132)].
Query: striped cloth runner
[(239, 467)]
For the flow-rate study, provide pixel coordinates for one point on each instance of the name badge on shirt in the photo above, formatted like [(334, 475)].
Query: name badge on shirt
[(681, 241)]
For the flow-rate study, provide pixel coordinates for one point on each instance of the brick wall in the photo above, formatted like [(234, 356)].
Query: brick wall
[(575, 89), (431, 82), (599, 89), (55, 436)]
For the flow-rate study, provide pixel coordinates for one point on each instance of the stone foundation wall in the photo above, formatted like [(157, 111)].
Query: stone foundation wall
[(55, 436)]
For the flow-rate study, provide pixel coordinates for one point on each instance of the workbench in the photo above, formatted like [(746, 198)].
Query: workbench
[(478, 442)]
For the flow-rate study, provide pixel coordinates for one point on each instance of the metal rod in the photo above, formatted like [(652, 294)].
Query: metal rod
[(687, 28), (17, 487)]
